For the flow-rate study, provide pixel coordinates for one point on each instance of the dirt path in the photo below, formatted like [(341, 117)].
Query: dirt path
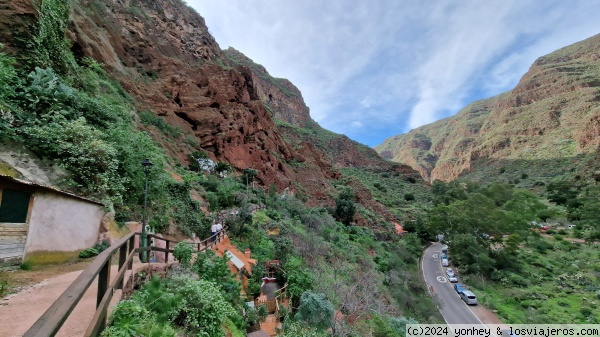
[(19, 311)]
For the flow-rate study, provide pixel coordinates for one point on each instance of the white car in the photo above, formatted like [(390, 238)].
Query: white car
[(445, 263), (451, 276)]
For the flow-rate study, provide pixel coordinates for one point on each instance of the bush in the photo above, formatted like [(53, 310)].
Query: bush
[(540, 245), (148, 118), (88, 252), (315, 310), (196, 306), (409, 197), (4, 286), (213, 268), (183, 253), (25, 265), (130, 318), (201, 309), (93, 251), (345, 208)]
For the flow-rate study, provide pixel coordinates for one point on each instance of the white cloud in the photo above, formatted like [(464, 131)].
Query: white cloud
[(400, 64), (357, 124)]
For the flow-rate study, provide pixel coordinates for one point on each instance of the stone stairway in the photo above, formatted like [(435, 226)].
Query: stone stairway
[(270, 325)]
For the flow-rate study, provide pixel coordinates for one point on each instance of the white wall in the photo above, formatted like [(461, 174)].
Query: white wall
[(62, 223)]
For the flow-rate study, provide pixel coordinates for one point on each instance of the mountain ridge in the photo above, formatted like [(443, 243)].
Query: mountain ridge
[(551, 113), (208, 100)]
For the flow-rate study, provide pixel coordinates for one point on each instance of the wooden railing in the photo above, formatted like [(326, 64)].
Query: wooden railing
[(280, 296), (53, 319), (270, 304)]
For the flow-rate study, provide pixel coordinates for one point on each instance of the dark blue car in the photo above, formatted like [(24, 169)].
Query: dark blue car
[(459, 287)]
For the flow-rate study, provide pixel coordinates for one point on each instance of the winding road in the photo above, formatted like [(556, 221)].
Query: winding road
[(452, 308)]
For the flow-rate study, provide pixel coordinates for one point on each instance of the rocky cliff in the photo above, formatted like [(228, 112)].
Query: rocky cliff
[(552, 114), (222, 102)]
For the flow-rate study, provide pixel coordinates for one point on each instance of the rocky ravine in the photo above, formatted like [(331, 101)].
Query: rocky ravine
[(554, 112)]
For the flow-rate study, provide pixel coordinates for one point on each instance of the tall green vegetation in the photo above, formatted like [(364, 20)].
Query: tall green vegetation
[(179, 302), (345, 208), (51, 47), (375, 272), (527, 275)]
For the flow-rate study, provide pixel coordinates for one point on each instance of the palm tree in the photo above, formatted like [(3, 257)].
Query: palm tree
[(222, 169)]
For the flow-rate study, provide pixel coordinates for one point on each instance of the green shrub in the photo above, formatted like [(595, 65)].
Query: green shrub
[(93, 251), (148, 118), (81, 150), (294, 329), (213, 268), (131, 318), (183, 253), (25, 265), (201, 308), (51, 47), (4, 286), (88, 252), (345, 208), (195, 306), (315, 310)]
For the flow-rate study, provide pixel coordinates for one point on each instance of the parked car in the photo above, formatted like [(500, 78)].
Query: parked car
[(444, 256), (545, 228), (459, 288), (451, 276), (468, 297), (445, 262), (570, 226)]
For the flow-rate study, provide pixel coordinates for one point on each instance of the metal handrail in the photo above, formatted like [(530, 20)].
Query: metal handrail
[(52, 320)]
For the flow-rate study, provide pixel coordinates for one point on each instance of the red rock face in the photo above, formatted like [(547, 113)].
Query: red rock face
[(163, 55)]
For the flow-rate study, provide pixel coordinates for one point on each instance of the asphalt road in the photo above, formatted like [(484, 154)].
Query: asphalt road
[(452, 308)]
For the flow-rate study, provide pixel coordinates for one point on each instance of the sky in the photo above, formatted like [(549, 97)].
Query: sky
[(373, 69)]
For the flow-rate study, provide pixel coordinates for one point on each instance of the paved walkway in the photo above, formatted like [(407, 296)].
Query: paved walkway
[(19, 311)]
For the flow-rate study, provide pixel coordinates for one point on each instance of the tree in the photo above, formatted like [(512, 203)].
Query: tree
[(345, 208), (248, 176), (560, 192), (299, 279), (315, 310), (526, 204), (589, 208), (499, 192), (222, 169)]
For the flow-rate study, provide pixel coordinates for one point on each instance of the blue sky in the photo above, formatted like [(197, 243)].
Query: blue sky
[(374, 69)]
